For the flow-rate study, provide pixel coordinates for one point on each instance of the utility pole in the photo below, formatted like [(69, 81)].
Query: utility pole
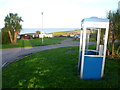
[(42, 26), (119, 7)]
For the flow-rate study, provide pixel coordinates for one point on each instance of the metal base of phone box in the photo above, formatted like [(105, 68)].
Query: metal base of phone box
[(92, 65)]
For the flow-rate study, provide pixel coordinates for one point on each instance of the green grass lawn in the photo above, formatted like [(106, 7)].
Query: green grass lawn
[(56, 68), (34, 42), (64, 32)]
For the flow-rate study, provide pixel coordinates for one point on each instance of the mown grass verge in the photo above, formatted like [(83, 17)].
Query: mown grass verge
[(56, 68), (34, 42)]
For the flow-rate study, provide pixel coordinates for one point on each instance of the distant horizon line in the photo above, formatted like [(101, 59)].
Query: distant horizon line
[(33, 28), (52, 27)]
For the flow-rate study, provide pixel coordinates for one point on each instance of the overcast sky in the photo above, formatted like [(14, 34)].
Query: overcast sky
[(57, 13)]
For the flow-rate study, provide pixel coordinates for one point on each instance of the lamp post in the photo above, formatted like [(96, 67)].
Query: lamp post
[(119, 7), (42, 26)]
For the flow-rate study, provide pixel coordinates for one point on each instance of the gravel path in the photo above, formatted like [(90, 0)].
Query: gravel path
[(10, 55)]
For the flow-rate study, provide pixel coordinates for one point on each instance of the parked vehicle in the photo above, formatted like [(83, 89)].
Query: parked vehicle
[(77, 36), (71, 35)]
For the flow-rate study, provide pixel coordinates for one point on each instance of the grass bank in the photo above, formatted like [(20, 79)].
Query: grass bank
[(66, 33), (56, 68), (34, 42)]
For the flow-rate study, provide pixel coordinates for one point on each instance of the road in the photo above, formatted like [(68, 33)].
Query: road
[(10, 55)]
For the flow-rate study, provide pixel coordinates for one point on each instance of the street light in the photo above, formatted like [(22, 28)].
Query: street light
[(42, 26)]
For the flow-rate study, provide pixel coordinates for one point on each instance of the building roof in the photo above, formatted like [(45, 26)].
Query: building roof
[(30, 34)]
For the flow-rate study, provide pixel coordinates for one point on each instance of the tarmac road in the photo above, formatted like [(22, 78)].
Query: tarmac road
[(12, 54)]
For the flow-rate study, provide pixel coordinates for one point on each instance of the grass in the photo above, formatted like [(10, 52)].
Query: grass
[(34, 42), (56, 68), (115, 47), (65, 32)]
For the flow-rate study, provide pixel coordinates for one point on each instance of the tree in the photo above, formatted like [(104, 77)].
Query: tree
[(38, 32), (12, 26), (114, 29), (117, 27), (5, 37)]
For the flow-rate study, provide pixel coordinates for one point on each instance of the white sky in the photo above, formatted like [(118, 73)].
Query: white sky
[(57, 13)]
